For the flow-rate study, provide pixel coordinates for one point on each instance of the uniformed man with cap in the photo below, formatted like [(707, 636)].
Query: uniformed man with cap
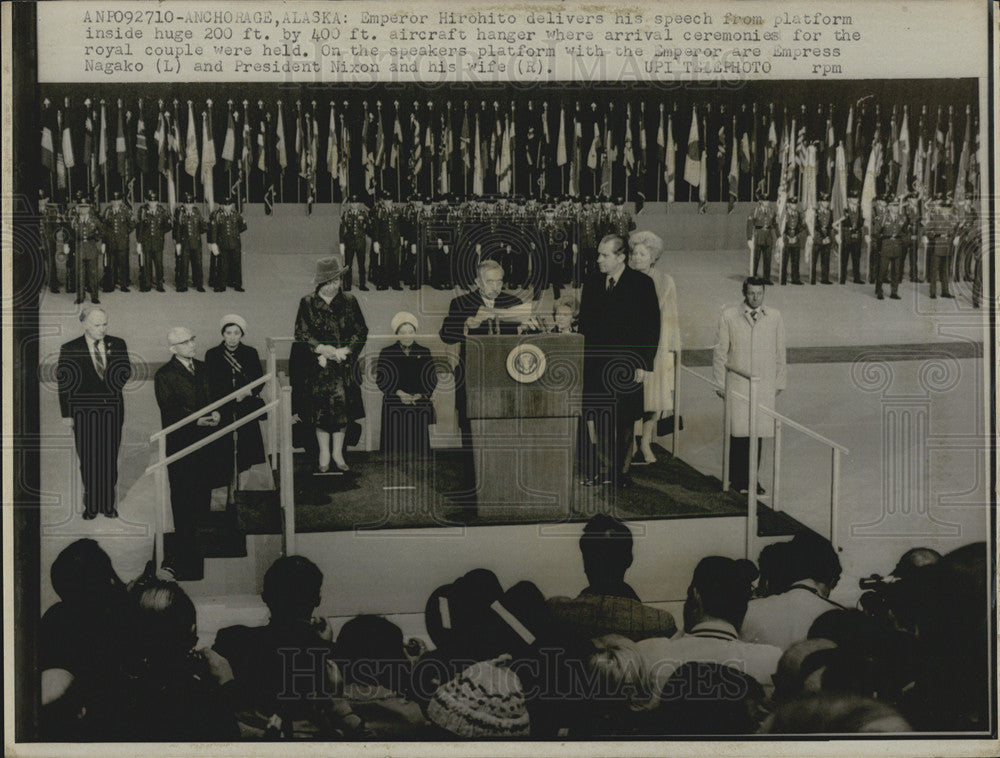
[(939, 229), (118, 226), (892, 229), (154, 223), (762, 231), (851, 233), (225, 226), (354, 241), (88, 232), (913, 214), (794, 240), (823, 239), (384, 228), (189, 225), (409, 234), (874, 237), (54, 232)]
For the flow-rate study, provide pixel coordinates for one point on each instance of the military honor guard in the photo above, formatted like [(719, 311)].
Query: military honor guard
[(913, 219), (383, 225), (225, 226), (154, 223), (794, 239), (54, 233), (851, 235), (88, 234), (762, 231), (353, 235), (892, 229), (189, 226), (409, 239), (939, 231), (118, 226), (822, 239)]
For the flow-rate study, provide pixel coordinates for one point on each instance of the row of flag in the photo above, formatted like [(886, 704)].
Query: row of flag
[(567, 149)]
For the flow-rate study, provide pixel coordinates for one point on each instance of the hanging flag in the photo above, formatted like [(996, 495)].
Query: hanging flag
[(610, 156), (69, 161), (262, 147), (670, 166), (367, 156), (595, 146), (920, 159), (849, 140), (280, 139), (312, 158), (88, 140), (229, 144), (831, 152), (661, 143), (703, 175), (561, 157), (857, 166), (838, 197), (628, 156), (496, 145), (48, 149), (503, 161), (141, 147), (949, 154), (208, 158), (963, 163), (379, 142), (397, 142), (477, 167), (869, 189), (161, 144), (102, 142), (332, 149), (975, 161), (416, 154), (770, 149), (121, 150), (577, 158), (640, 163), (300, 142), (734, 172), (345, 157), (191, 155), (692, 160), (444, 172), (903, 182), (173, 158), (463, 143), (545, 150)]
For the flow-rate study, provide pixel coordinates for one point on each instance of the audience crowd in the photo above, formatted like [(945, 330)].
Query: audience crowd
[(761, 649)]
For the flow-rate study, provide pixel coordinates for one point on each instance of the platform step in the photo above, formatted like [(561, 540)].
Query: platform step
[(258, 511)]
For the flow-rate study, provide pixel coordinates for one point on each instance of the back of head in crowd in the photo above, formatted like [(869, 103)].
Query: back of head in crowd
[(834, 713), (167, 622), (813, 557), (720, 589), (370, 653), (707, 698), (775, 569), (619, 676), (82, 573), (291, 588), (606, 546)]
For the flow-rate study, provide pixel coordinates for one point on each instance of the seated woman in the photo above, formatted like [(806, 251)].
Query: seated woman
[(232, 365), (331, 324), (645, 249), (407, 377), (564, 316)]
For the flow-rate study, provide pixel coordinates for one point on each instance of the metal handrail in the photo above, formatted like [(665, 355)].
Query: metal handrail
[(209, 408), (243, 420)]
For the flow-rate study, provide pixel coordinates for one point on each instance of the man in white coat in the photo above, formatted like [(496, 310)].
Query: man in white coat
[(751, 339)]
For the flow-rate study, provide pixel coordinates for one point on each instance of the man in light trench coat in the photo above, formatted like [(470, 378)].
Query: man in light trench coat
[(751, 339)]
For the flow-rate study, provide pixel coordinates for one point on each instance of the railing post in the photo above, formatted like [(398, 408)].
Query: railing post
[(725, 434), (272, 420), (776, 471), (675, 443), (162, 498), (834, 495), (752, 470), (287, 473)]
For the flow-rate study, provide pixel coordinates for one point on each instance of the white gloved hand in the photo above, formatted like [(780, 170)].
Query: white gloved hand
[(177, 248), (104, 248), (214, 247), (65, 249), (138, 248), (376, 247), (341, 248)]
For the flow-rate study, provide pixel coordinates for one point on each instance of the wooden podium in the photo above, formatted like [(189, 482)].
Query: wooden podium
[(523, 402)]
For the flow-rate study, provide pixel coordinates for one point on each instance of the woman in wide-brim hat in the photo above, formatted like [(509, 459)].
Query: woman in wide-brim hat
[(230, 365), (331, 330)]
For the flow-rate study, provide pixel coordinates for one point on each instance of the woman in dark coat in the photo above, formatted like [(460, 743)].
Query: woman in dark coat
[(232, 365), (331, 325), (407, 378)]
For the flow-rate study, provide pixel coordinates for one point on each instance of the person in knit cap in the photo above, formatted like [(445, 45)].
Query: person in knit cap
[(407, 378), (486, 700)]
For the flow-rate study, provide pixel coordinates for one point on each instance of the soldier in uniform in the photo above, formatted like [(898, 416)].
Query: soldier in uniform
[(54, 233), (440, 258), (589, 215), (621, 221), (874, 237), (427, 220), (154, 223), (912, 210), (762, 230), (189, 225), (88, 232), (851, 234), (967, 222), (794, 240), (939, 229), (224, 229), (353, 241), (118, 226), (383, 264), (823, 239), (891, 228), (409, 233)]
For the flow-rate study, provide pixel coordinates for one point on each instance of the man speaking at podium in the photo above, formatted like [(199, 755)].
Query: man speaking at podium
[(485, 310)]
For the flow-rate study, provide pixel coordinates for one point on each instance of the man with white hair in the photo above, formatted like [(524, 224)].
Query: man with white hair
[(92, 372), (182, 389)]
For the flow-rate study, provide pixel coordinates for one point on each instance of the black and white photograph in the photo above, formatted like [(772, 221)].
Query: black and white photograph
[(467, 379)]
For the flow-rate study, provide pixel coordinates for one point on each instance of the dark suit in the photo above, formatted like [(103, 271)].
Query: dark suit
[(405, 428), (622, 331), (95, 404), (179, 393)]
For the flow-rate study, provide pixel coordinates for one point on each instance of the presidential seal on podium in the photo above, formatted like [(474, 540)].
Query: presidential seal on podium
[(526, 363)]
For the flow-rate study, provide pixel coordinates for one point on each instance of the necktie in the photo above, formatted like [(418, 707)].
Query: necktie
[(99, 359), (611, 283), (755, 315), (189, 365)]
